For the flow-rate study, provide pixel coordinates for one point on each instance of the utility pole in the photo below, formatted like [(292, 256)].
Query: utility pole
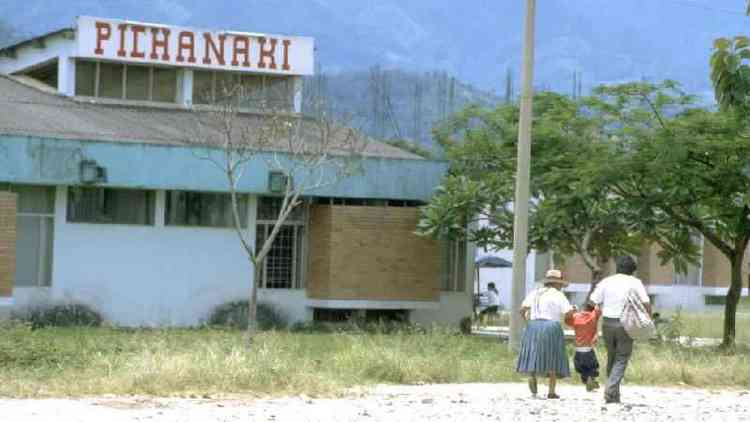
[(521, 203)]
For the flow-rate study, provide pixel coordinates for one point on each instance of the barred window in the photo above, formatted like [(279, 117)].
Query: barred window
[(454, 266), (285, 264), (110, 206), (200, 209)]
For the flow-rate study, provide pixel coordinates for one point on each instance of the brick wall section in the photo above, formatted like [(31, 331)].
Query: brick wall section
[(717, 271), (7, 243), (650, 269), (576, 271), (371, 253)]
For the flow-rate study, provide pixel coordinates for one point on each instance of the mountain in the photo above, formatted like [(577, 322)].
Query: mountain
[(393, 104), (476, 40)]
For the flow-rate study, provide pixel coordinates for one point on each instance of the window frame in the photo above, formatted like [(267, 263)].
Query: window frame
[(287, 103), (244, 199), (46, 257), (124, 83), (150, 204)]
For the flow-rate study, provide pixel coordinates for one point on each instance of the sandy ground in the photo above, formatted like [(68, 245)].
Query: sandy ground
[(468, 402)]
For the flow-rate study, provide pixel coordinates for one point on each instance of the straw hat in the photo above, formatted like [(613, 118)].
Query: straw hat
[(555, 276)]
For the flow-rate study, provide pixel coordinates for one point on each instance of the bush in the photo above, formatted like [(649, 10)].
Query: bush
[(234, 315), (62, 315), (465, 325)]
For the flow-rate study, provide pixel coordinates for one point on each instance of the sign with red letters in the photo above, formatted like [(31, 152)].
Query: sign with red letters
[(136, 42)]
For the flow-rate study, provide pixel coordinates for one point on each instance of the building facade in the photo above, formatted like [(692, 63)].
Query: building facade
[(103, 203)]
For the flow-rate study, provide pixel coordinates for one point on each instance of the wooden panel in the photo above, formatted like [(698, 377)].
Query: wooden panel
[(371, 253), (717, 271), (7, 243)]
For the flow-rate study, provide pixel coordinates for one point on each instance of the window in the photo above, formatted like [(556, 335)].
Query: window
[(130, 82), (138, 82), (285, 264), (258, 91), (110, 206), (110, 80), (35, 230), (454, 266), (203, 209), (86, 78)]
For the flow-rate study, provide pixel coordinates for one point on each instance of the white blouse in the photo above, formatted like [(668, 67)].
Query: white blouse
[(547, 303)]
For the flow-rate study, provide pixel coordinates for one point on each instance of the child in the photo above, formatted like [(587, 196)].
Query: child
[(585, 325)]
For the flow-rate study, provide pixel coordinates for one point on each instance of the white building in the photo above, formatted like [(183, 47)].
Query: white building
[(105, 204)]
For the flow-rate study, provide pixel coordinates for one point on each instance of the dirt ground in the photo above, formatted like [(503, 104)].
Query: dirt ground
[(467, 402)]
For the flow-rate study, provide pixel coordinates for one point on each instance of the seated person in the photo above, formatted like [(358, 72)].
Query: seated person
[(493, 302)]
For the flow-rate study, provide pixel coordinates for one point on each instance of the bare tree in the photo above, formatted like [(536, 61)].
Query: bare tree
[(309, 152)]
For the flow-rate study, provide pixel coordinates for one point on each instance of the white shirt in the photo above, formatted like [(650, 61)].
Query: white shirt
[(611, 293), (547, 303), (493, 298)]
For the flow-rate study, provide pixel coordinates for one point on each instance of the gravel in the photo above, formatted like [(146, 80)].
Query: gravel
[(466, 402)]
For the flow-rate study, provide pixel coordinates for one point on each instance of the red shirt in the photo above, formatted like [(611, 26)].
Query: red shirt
[(584, 324)]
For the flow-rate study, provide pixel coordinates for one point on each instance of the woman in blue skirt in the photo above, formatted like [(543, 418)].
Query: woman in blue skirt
[(543, 344)]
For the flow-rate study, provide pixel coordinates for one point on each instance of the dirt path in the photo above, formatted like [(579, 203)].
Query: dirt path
[(469, 402)]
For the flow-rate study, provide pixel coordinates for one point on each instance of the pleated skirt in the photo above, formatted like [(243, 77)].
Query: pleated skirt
[(543, 350)]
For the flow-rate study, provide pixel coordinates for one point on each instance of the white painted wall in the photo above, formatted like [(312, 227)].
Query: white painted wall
[(453, 307), (154, 275), (173, 276)]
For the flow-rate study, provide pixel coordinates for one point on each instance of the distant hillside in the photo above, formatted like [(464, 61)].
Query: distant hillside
[(395, 104), (475, 40)]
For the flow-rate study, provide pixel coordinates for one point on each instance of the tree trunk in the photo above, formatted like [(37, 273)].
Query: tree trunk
[(252, 314), (733, 299)]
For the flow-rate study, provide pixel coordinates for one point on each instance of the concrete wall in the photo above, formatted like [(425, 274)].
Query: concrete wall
[(173, 276), (146, 275), (453, 307)]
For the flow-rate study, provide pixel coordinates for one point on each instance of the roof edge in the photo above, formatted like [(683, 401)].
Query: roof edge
[(9, 49)]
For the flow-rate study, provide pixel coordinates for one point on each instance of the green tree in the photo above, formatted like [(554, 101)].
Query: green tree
[(681, 169), (730, 71), (569, 214)]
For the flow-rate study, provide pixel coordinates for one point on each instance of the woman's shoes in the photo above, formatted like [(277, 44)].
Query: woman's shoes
[(552, 396)]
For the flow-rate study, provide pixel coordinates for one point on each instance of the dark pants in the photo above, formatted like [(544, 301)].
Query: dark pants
[(619, 349), (587, 365), (489, 310)]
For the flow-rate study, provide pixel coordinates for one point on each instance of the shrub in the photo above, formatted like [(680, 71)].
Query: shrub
[(234, 315), (62, 315), (465, 325)]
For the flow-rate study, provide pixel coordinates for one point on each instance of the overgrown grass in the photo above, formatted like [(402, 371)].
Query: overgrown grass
[(710, 324), (94, 361)]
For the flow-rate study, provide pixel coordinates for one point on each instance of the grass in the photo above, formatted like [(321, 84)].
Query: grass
[(710, 324), (56, 362)]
